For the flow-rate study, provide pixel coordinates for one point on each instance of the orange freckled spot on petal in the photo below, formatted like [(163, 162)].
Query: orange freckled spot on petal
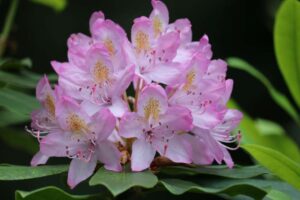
[(110, 46), (50, 105), (157, 26), (142, 41), (190, 77), (152, 109), (101, 72), (76, 124)]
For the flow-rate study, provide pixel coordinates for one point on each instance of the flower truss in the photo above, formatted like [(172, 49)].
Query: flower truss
[(178, 110)]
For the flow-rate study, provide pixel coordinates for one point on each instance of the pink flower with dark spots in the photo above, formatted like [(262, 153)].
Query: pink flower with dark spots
[(156, 127)]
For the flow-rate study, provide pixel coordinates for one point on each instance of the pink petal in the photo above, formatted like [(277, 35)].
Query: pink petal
[(142, 26), (131, 125), (78, 45), (43, 89), (204, 47), (103, 124), (152, 93), (118, 107), (164, 73), (183, 27), (79, 171), (98, 15), (217, 70), (39, 159), (142, 155), (179, 150), (124, 78), (160, 11), (109, 155)]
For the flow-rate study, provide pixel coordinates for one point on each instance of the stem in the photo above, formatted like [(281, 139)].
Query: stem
[(137, 94), (7, 25)]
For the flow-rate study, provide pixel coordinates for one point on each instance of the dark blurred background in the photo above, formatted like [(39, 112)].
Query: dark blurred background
[(235, 28)]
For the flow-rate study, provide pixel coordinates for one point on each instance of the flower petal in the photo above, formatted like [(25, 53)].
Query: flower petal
[(132, 125), (152, 102), (159, 16), (109, 155), (178, 150), (142, 155), (39, 159), (103, 124), (80, 170)]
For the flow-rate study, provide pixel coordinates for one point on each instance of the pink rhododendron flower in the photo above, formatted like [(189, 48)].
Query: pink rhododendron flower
[(157, 128), (178, 109), (82, 138)]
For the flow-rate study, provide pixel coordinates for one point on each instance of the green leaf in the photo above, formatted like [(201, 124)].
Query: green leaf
[(268, 127), (119, 182), (17, 102), (277, 195), (36, 77), (57, 5), (277, 96), (9, 118), (238, 172), (15, 172), (276, 162), (255, 188), (251, 134), (19, 140), (16, 80), (287, 45), (12, 63), (52, 193)]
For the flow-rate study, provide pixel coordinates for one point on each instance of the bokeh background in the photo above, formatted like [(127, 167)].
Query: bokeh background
[(235, 28)]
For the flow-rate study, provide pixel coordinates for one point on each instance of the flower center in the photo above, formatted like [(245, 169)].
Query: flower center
[(157, 26), (152, 108), (142, 41), (101, 72), (50, 105), (76, 124), (190, 77), (110, 46)]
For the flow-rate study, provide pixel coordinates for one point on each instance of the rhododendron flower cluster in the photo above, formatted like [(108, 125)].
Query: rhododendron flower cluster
[(177, 111)]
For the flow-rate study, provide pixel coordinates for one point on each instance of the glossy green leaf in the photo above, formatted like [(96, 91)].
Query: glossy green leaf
[(57, 5), (119, 182), (9, 118), (20, 140), (255, 188), (52, 193), (276, 162), (16, 80), (12, 63), (287, 45), (277, 195), (238, 172), (17, 102), (277, 96), (14, 172), (251, 134), (268, 127)]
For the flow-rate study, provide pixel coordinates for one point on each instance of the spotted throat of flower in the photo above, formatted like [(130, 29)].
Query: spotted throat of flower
[(142, 41), (152, 109)]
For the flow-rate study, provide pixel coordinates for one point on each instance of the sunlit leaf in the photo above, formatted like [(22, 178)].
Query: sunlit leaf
[(287, 45), (57, 5), (119, 182), (238, 172), (268, 127), (251, 134), (277, 96), (51, 193), (277, 195), (276, 162)]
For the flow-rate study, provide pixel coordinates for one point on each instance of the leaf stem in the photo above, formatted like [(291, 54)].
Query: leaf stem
[(8, 25)]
